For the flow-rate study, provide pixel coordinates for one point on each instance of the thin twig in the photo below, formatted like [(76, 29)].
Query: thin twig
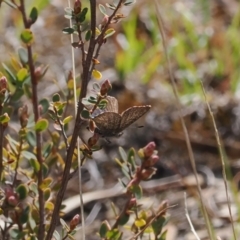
[(1, 144), (75, 108), (34, 82), (85, 77), (17, 162), (189, 147)]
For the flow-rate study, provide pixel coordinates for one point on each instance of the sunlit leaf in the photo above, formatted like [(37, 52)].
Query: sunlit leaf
[(22, 74), (41, 125), (67, 119), (45, 183), (68, 30), (27, 36), (140, 223), (49, 206), (109, 32), (102, 9), (96, 74), (22, 191), (22, 53), (34, 15)]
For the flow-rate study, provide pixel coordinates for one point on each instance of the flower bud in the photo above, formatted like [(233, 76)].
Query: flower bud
[(3, 85), (74, 222), (12, 200), (147, 173), (38, 72), (149, 149), (104, 21), (132, 202), (23, 116), (93, 140), (106, 87), (151, 161), (77, 7)]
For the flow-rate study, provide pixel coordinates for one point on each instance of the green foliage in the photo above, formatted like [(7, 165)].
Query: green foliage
[(38, 159)]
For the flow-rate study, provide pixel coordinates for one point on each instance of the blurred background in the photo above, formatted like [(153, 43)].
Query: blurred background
[(203, 43)]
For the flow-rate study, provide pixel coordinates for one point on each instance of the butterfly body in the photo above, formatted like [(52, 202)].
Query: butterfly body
[(111, 124)]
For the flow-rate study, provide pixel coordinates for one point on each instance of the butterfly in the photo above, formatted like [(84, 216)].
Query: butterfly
[(111, 124)]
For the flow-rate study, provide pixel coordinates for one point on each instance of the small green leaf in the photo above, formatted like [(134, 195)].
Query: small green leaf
[(124, 219), (103, 103), (113, 234), (15, 64), (131, 158), (82, 15), (137, 191), (163, 235), (27, 36), (31, 138), (4, 118), (111, 6), (34, 15), (41, 125), (22, 191), (45, 105), (25, 215), (92, 100), (56, 235), (70, 236), (158, 224), (96, 74), (104, 228), (22, 74), (11, 75), (97, 32), (35, 165), (47, 193), (34, 188), (17, 94), (109, 32), (129, 2), (88, 35), (22, 53), (56, 97), (85, 114), (49, 206), (64, 225), (29, 155), (47, 149), (96, 86), (45, 170), (68, 30), (102, 9), (140, 223), (67, 120), (45, 183), (123, 154)]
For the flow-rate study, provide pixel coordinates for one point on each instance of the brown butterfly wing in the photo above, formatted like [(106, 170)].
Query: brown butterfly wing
[(132, 114), (112, 105), (108, 123)]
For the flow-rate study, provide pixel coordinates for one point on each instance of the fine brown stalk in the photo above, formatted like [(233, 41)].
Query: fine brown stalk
[(27, 25)]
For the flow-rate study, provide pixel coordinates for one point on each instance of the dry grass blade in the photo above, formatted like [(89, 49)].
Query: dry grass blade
[(188, 218), (221, 151), (189, 147), (78, 140)]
